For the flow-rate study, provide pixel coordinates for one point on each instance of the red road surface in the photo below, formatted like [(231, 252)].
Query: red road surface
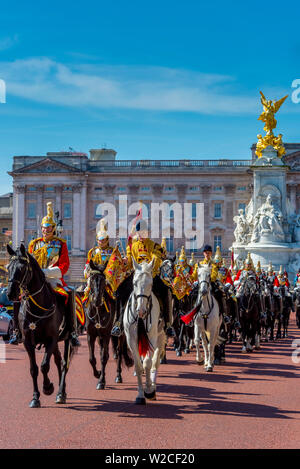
[(252, 401)]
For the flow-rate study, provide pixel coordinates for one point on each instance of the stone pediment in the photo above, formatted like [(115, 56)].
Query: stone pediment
[(47, 165), (293, 161)]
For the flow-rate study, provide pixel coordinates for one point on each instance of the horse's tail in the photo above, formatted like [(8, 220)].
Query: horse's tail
[(143, 340)]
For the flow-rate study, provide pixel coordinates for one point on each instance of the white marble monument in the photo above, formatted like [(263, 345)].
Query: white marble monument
[(269, 230)]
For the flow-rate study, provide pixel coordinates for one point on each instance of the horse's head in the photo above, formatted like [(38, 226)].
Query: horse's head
[(142, 286), (247, 286), (19, 272), (204, 272), (97, 283)]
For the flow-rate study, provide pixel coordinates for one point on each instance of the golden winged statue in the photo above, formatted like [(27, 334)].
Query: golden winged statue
[(270, 109), (267, 116)]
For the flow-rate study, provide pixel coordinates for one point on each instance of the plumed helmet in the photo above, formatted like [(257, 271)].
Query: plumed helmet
[(164, 244), (48, 220), (249, 262), (102, 233), (270, 268), (258, 267), (182, 257), (218, 256)]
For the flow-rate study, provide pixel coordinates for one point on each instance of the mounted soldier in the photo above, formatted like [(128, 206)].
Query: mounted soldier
[(52, 255), (99, 254), (142, 249)]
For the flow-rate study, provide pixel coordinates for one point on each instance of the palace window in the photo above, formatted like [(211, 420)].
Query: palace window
[(67, 210), (4, 230), (68, 239), (31, 210), (49, 189), (217, 242), (98, 211), (241, 188), (193, 245), (169, 189), (218, 188), (145, 188), (218, 210), (193, 188), (98, 188)]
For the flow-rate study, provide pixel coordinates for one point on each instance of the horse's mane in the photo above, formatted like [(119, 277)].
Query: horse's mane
[(35, 265)]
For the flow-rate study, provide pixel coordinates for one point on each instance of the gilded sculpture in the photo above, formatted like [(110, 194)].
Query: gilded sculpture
[(268, 117)]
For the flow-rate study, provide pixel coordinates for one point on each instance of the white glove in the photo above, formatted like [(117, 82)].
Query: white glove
[(236, 283), (53, 272)]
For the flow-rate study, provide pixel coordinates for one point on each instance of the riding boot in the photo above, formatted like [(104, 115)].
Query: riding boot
[(118, 324), (71, 318), (16, 337), (122, 296), (163, 294)]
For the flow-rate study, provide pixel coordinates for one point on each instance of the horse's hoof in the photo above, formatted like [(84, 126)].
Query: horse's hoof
[(187, 350), (179, 353), (61, 398), (115, 356), (119, 379), (200, 362), (140, 401), (209, 369), (163, 361), (223, 360), (151, 395), (100, 386), (97, 374), (35, 404), (48, 390), (244, 350)]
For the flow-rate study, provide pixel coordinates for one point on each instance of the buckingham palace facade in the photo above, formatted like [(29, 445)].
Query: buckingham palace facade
[(79, 184)]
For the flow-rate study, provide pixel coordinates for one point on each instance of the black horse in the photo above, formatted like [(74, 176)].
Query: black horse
[(268, 306), (277, 311), (100, 315), (42, 320), (287, 307), (249, 311), (184, 333), (296, 301)]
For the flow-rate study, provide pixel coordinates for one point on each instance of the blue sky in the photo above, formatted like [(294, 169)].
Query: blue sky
[(160, 79)]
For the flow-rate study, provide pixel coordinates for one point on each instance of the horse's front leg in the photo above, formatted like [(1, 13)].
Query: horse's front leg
[(199, 356), (104, 345), (131, 336), (61, 396), (149, 391), (48, 387), (91, 339), (34, 371), (118, 352)]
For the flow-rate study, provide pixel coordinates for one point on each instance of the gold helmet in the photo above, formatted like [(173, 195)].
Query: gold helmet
[(270, 268), (218, 256), (192, 260), (48, 220), (182, 257), (281, 272), (235, 268), (249, 262), (258, 267), (102, 233), (164, 244)]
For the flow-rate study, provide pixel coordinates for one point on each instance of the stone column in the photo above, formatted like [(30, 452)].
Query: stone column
[(229, 197), (18, 215), (58, 200), (83, 210), (293, 195), (181, 198), (205, 191), (41, 211), (76, 220)]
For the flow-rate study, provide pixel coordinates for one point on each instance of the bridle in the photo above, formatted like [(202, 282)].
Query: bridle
[(96, 318), (25, 293), (133, 303)]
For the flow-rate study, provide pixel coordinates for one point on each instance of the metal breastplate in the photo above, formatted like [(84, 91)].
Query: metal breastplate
[(52, 249)]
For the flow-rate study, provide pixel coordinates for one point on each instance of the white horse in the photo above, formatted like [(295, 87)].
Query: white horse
[(207, 319), (144, 332)]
